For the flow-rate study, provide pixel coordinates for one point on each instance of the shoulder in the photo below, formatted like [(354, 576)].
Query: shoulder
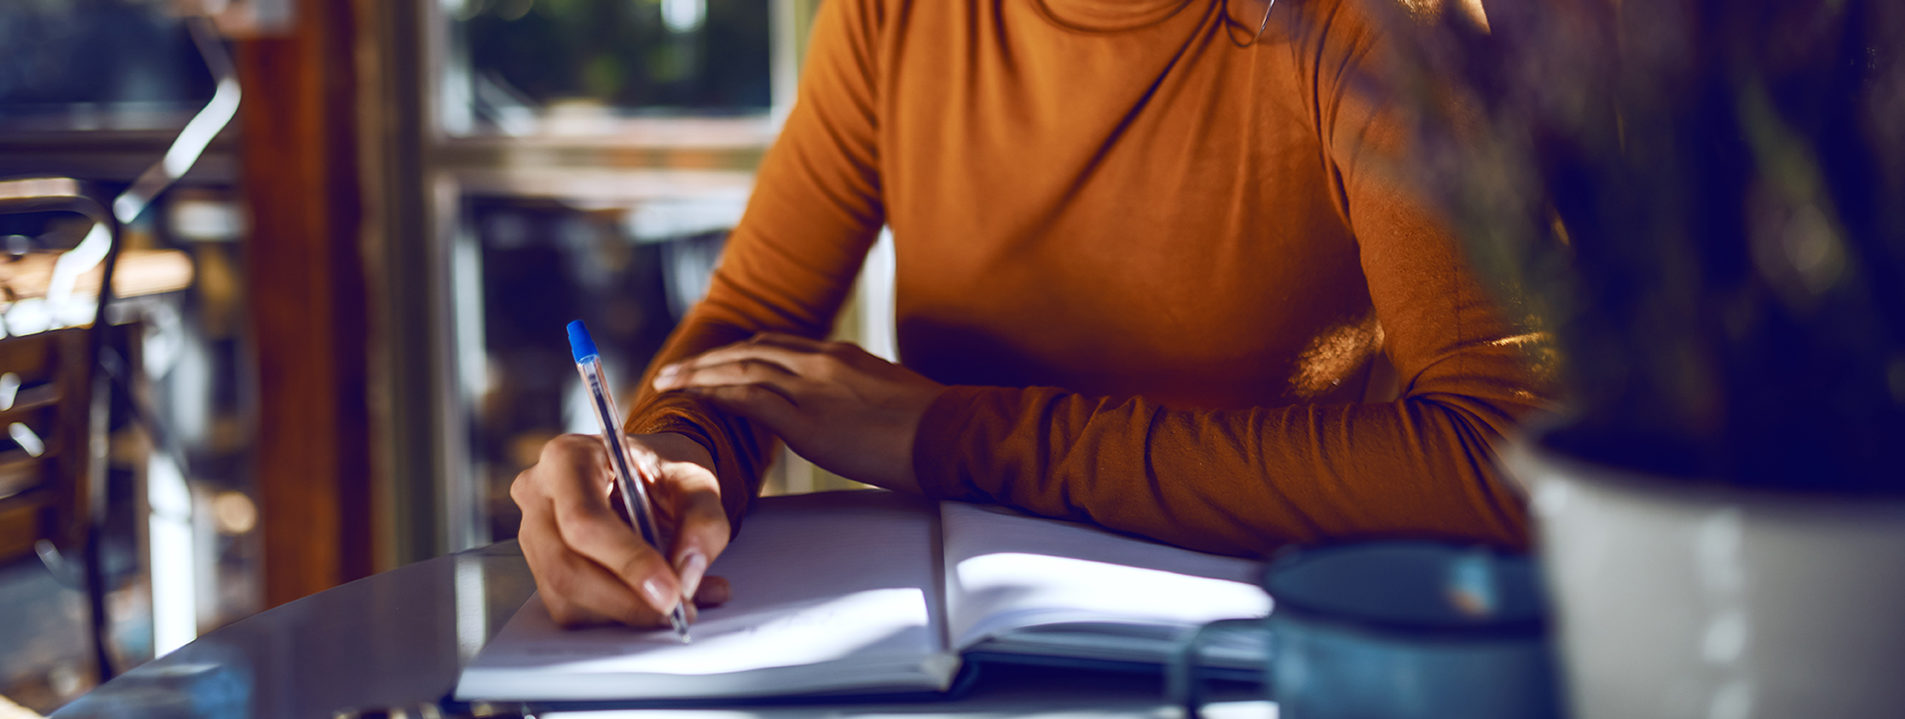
[(1322, 25), (1324, 34), (861, 17), (1351, 46), (865, 30)]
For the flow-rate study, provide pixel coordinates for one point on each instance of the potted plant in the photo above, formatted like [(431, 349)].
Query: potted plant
[(1702, 203)]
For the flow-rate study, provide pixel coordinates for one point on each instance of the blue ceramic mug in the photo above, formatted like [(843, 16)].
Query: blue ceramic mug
[(1395, 630)]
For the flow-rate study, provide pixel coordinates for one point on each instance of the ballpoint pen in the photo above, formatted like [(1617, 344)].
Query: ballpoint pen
[(634, 486)]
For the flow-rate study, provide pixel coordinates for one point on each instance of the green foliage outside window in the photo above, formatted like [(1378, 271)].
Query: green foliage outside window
[(636, 56)]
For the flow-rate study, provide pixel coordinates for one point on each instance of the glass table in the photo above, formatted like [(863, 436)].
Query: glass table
[(398, 639)]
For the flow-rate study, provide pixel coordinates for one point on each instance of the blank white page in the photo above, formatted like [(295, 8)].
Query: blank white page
[(831, 591), (1007, 572)]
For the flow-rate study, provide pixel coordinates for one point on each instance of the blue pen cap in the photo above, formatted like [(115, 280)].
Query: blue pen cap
[(579, 342)]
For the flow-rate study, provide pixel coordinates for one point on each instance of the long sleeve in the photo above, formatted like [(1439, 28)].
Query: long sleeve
[(788, 265), (1244, 481)]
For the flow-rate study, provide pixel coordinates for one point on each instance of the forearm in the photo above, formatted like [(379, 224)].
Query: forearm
[(1237, 481), (792, 259)]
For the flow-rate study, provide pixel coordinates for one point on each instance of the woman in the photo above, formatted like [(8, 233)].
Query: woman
[(1146, 263)]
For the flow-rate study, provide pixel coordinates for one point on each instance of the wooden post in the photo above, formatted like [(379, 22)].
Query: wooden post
[(305, 266)]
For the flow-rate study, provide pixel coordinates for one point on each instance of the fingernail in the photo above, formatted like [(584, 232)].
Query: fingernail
[(659, 596), (694, 564), (668, 372)]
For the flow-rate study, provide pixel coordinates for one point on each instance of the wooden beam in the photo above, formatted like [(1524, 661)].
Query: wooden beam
[(300, 177)]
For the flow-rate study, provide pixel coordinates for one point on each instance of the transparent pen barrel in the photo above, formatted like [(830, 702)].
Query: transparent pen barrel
[(630, 470)]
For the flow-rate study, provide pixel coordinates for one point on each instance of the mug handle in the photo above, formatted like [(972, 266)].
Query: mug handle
[(1181, 682)]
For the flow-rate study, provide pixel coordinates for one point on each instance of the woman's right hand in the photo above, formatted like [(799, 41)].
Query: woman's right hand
[(590, 565)]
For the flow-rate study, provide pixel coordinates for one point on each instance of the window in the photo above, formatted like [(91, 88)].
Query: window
[(522, 67), (589, 158)]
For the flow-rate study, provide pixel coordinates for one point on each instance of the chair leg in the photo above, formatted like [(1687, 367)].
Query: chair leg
[(96, 604), (97, 462)]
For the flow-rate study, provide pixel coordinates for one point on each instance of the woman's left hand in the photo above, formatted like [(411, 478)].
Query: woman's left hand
[(832, 402)]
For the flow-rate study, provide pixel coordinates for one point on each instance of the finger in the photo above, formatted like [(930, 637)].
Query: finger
[(588, 524), (576, 590), (746, 370), (616, 547), (574, 467), (700, 536), (755, 402), (796, 361), (796, 343), (714, 592), (594, 531), (847, 353)]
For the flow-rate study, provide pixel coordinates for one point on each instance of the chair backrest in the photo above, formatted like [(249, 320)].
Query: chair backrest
[(45, 414)]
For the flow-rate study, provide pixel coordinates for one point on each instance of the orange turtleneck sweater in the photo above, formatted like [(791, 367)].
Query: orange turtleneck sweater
[(1154, 269)]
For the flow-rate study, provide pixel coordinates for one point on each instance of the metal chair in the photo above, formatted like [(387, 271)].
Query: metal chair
[(45, 398), (51, 486), (51, 492)]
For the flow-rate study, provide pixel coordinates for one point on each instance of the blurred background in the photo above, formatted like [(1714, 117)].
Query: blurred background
[(337, 332)]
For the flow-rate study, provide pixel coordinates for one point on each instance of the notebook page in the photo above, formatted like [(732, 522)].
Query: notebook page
[(827, 588), (1007, 572)]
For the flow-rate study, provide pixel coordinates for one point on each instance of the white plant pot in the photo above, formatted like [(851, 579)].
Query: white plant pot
[(1679, 599)]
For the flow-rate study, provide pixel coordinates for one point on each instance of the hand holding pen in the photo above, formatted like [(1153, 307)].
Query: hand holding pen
[(593, 565), (631, 473)]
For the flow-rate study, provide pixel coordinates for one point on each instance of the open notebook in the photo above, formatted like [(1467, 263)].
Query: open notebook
[(874, 592)]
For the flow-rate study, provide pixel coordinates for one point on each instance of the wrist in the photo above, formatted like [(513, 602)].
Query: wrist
[(939, 459), (678, 447)]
